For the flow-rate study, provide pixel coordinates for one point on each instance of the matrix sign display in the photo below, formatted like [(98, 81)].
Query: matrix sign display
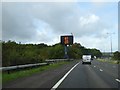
[(67, 40)]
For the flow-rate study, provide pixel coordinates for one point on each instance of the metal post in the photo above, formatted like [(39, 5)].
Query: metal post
[(111, 44), (65, 50), (111, 41)]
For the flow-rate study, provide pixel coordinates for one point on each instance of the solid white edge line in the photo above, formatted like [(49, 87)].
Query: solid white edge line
[(61, 80), (117, 80)]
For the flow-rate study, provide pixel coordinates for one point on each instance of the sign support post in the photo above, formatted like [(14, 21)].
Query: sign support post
[(65, 50)]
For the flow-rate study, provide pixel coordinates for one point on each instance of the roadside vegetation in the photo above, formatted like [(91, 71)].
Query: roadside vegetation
[(27, 72), (116, 56), (109, 61), (115, 59), (16, 53)]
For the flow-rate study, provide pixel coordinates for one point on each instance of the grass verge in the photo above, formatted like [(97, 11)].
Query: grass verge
[(24, 73), (109, 61)]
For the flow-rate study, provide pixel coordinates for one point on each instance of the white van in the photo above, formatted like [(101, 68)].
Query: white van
[(86, 59)]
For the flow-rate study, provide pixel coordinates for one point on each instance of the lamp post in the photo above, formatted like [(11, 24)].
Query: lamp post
[(110, 34)]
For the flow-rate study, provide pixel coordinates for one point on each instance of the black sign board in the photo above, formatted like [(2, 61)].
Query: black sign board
[(67, 40)]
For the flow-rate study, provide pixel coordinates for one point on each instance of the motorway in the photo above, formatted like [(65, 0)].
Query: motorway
[(96, 75)]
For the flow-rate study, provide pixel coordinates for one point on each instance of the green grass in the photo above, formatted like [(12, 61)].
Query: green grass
[(0, 77), (24, 73), (109, 61)]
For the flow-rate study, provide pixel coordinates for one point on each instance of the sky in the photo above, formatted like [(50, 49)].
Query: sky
[(45, 22)]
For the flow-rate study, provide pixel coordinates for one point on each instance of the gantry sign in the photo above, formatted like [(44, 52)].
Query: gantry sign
[(67, 40)]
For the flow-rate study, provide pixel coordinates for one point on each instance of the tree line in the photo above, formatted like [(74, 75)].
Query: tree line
[(16, 53)]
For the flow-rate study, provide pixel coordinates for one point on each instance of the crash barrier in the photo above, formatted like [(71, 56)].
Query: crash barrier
[(10, 68), (47, 62)]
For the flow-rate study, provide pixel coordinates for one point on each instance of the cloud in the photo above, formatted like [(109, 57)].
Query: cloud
[(18, 20), (45, 22), (0, 21), (16, 24), (89, 19)]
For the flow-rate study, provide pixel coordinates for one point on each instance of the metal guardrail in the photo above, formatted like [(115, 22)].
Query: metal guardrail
[(32, 65), (21, 66), (57, 60)]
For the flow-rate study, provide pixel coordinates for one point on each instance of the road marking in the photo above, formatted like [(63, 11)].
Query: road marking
[(101, 70), (114, 66), (61, 80), (117, 80)]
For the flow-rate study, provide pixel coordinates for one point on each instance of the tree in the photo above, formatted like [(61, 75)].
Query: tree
[(95, 52), (74, 51), (56, 51), (116, 55)]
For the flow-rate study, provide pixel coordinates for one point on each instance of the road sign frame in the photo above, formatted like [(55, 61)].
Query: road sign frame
[(67, 39)]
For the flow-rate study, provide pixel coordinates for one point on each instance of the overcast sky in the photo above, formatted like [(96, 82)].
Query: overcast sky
[(45, 22)]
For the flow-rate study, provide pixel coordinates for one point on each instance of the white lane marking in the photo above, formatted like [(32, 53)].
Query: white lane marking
[(101, 70), (117, 80), (61, 80), (94, 66), (114, 66)]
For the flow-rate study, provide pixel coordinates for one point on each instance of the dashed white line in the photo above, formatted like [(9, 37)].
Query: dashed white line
[(61, 80), (101, 70), (117, 80)]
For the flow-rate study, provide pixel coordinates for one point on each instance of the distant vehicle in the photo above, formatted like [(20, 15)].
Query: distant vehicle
[(86, 59)]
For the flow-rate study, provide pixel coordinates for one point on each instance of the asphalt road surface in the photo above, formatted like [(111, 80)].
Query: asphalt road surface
[(96, 75)]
